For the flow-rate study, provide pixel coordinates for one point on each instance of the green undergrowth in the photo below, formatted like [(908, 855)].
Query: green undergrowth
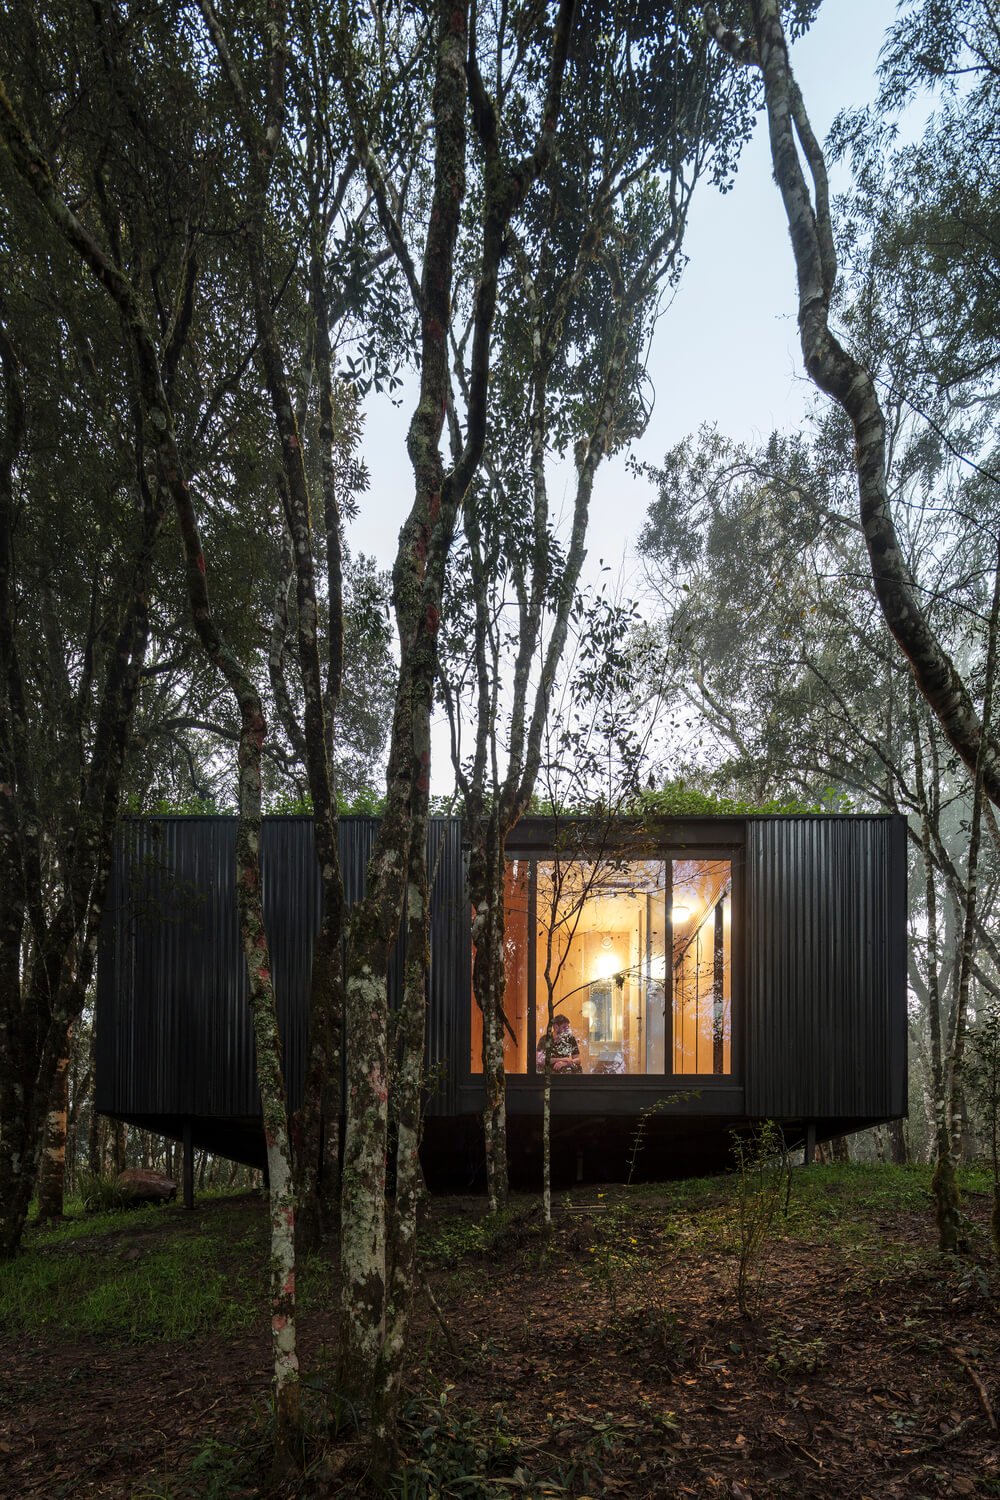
[(151, 1273), (163, 1273), (158, 1272), (77, 1224), (629, 1256), (451, 1236), (854, 1206)]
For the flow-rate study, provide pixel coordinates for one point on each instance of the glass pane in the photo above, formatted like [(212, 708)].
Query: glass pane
[(701, 918), (515, 1038), (600, 965)]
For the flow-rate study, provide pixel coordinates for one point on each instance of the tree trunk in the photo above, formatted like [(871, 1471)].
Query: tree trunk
[(52, 1172), (944, 1186), (119, 1143), (547, 1138), (16, 1145), (841, 377), (79, 1089), (173, 487), (362, 1189), (486, 891), (40, 1001), (402, 1277)]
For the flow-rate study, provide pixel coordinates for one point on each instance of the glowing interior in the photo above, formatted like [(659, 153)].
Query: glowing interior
[(601, 944)]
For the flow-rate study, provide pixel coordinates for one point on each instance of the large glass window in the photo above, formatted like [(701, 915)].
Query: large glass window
[(632, 964), (516, 958), (599, 965), (701, 919)]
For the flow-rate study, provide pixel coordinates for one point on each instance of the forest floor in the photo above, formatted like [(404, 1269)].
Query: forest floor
[(607, 1358)]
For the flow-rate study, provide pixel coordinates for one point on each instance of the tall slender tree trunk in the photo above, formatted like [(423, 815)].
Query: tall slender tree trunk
[(119, 1143), (40, 998), (363, 1182), (402, 1270), (897, 1143), (547, 1134), (52, 1171), (173, 487), (486, 890), (943, 1182), (397, 871), (836, 372)]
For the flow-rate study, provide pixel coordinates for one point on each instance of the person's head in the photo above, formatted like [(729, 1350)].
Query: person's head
[(561, 1023)]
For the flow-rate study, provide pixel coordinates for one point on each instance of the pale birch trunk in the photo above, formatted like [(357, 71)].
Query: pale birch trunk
[(850, 384), (943, 1185), (399, 861), (486, 884), (956, 1091), (402, 1247), (487, 865), (325, 1010)]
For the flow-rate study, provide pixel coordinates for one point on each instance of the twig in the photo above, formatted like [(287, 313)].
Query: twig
[(791, 1442), (908, 1455), (435, 1308), (212, 1405), (984, 1398)]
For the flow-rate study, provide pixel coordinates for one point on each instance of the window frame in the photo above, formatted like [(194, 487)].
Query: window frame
[(665, 850)]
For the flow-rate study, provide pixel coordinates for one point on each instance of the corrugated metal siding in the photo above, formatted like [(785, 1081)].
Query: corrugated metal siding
[(825, 1001), (174, 1033), (823, 954), (450, 985)]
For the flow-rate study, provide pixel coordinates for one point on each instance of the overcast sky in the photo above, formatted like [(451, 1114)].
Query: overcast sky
[(726, 350)]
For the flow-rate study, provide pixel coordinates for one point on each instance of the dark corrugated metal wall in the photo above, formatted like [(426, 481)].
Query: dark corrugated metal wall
[(825, 997), (174, 1034), (823, 1015)]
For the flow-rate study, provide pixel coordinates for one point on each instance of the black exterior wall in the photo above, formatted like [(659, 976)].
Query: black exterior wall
[(174, 1040), (825, 988), (819, 1007)]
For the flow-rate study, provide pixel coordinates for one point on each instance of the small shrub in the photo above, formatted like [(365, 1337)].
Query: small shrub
[(447, 1453), (611, 1260), (645, 1115), (792, 1356), (762, 1191), (102, 1193), (490, 1237)]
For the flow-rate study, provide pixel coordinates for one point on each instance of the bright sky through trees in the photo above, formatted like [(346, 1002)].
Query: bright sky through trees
[(732, 318)]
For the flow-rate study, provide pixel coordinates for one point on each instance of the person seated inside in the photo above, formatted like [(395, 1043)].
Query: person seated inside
[(565, 1049)]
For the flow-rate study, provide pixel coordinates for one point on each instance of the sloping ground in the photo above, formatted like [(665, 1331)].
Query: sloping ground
[(607, 1359)]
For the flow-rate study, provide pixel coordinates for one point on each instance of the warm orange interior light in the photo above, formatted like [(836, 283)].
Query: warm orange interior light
[(605, 965)]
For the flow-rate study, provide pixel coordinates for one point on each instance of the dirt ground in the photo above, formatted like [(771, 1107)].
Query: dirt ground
[(607, 1359)]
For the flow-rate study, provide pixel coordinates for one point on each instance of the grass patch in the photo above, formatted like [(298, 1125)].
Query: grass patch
[(172, 1292), (78, 1224), (133, 1277)]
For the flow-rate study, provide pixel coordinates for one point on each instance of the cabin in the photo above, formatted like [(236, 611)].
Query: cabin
[(698, 975)]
